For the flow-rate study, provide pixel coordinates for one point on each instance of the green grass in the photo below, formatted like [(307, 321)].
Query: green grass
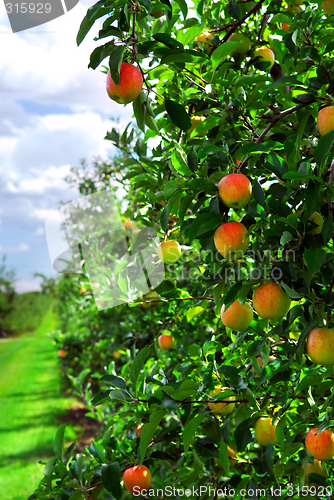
[(30, 400)]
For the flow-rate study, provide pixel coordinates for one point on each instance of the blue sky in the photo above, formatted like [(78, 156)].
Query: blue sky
[(54, 111)]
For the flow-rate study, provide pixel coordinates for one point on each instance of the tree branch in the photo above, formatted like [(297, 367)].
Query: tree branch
[(236, 25)]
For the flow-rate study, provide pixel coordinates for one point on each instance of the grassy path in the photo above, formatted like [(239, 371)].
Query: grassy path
[(30, 399)]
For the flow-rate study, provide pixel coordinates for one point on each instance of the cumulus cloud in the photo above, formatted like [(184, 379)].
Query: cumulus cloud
[(22, 247), (54, 111)]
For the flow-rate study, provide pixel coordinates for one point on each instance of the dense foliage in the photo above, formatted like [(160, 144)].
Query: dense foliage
[(260, 121)]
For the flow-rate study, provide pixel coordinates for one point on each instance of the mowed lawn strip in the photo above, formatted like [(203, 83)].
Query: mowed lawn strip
[(30, 399)]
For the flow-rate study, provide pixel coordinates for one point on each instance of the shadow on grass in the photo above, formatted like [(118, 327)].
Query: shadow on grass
[(42, 452)]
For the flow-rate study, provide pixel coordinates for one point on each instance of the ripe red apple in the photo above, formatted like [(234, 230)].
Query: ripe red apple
[(320, 346), (231, 453), (220, 407), (237, 316), (129, 86), (325, 120), (316, 218), (310, 468), (265, 431), (61, 353), (265, 54), (328, 6), (244, 47), (196, 120), (204, 37), (166, 342), (235, 190), (259, 360), (157, 13), (320, 446), (229, 240), (138, 430), (150, 299), (169, 251), (285, 26), (137, 478), (128, 223), (270, 301)]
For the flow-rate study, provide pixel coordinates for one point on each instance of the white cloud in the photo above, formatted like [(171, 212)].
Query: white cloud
[(22, 247)]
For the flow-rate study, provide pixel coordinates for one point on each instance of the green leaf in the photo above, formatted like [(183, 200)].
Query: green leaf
[(192, 160), (170, 187), (243, 435), (77, 495), (115, 61), (114, 380), (259, 193), (99, 54), (292, 294), (222, 52), (168, 40), (93, 13), (138, 110), (301, 343), (179, 163), (100, 397), (204, 223), (223, 457), (148, 431), (190, 429), (117, 395), (137, 365), (314, 258), (168, 207), (178, 115), (327, 229), (169, 402), (314, 477), (111, 479), (58, 444), (323, 148), (312, 196)]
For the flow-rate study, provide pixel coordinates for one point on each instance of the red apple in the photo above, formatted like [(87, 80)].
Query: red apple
[(169, 251), (117, 354), (320, 346), (320, 446), (229, 240), (166, 342), (61, 353), (316, 218), (328, 6), (310, 468), (150, 299), (265, 55), (270, 301), (231, 453), (129, 86), (137, 478), (221, 407), (325, 120), (244, 46), (235, 190), (265, 431), (237, 316)]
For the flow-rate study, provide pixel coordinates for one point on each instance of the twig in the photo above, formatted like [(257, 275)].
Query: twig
[(279, 117), (236, 25)]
